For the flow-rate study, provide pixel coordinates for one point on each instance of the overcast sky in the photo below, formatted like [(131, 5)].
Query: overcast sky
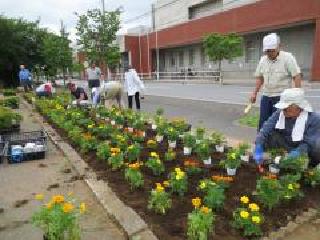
[(51, 11)]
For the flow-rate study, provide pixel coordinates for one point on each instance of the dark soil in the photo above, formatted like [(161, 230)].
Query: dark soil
[(173, 226)]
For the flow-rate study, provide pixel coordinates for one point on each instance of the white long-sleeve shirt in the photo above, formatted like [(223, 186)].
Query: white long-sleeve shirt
[(132, 83)]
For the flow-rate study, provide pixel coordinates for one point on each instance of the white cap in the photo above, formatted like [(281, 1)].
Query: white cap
[(292, 96), (271, 41)]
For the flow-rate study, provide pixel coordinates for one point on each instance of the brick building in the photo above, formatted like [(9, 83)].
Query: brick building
[(180, 25)]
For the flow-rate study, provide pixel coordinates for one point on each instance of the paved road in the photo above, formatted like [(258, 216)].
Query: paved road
[(231, 94)]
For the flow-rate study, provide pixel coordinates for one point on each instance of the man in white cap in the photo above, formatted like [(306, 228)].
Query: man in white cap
[(293, 127), (275, 72)]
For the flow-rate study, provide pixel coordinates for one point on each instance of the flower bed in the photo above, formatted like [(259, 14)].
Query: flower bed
[(161, 186)]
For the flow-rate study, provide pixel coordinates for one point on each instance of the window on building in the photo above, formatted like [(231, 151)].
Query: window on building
[(250, 51), (181, 59), (172, 60), (205, 8), (203, 57), (191, 57)]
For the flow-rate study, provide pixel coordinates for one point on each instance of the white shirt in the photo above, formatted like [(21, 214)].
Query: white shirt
[(93, 73), (277, 74), (132, 82), (42, 86)]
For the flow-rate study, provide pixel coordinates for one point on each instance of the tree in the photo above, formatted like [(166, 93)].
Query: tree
[(97, 32), (57, 53), (220, 47)]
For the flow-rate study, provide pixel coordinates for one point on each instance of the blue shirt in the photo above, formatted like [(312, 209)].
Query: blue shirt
[(24, 74), (311, 133)]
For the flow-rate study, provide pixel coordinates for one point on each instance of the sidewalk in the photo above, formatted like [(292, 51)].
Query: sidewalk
[(54, 175)]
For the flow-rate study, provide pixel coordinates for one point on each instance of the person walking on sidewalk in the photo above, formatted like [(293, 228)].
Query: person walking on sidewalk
[(275, 72), (133, 86), (25, 78)]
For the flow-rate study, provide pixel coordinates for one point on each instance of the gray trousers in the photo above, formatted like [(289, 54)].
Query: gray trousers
[(277, 140)]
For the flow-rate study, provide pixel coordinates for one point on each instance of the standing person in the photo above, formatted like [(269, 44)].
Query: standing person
[(133, 85), (25, 78), (275, 72), (93, 75)]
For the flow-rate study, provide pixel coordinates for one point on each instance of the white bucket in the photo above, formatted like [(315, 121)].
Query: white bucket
[(187, 151), (220, 148), (207, 161), (154, 126), (231, 171), (274, 169), (172, 144), (244, 158)]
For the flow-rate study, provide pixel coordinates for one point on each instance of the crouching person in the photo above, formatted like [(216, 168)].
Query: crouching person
[(78, 93), (293, 127), (44, 90)]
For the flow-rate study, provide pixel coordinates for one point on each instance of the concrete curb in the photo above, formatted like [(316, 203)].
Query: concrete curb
[(127, 219)]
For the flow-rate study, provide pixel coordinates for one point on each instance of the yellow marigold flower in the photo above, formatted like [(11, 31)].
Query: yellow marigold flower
[(158, 185), (151, 142), (290, 186), (153, 154), (90, 126), (49, 205), (58, 199), (244, 214), (67, 207), (158, 161), (39, 197), (130, 147), (159, 189), (254, 207), (256, 219), (166, 183), (181, 174), (113, 154), (202, 185), (177, 169), (244, 199), (196, 202), (83, 207), (205, 210), (178, 177), (233, 155)]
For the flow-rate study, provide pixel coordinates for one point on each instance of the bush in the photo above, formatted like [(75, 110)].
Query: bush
[(8, 118)]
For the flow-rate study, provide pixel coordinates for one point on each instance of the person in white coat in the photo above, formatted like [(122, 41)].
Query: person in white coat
[(133, 86)]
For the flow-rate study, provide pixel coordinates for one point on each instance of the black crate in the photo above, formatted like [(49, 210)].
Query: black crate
[(2, 151), (38, 137), (13, 129)]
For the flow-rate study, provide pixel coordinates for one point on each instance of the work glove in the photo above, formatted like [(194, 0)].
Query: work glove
[(294, 153), (258, 154)]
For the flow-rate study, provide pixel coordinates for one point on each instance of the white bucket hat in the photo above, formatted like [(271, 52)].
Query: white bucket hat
[(293, 96), (271, 41)]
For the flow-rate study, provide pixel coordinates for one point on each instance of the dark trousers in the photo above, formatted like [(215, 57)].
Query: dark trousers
[(277, 141), (137, 98), (267, 108), (27, 85)]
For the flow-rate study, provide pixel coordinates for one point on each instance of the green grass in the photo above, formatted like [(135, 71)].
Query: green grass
[(250, 120)]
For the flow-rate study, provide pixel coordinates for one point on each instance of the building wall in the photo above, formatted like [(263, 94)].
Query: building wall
[(173, 12), (268, 16)]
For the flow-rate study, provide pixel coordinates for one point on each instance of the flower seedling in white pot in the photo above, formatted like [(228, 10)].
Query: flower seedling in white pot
[(189, 142), (232, 162), (203, 152), (218, 140), (244, 151)]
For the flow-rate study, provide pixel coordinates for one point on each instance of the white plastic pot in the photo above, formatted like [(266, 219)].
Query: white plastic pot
[(244, 158), (154, 126), (159, 138), (198, 141), (277, 159), (231, 171), (187, 151), (273, 168), (207, 161), (220, 148), (172, 144), (113, 122)]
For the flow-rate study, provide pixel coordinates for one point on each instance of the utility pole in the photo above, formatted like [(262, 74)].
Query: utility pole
[(103, 6), (62, 32)]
